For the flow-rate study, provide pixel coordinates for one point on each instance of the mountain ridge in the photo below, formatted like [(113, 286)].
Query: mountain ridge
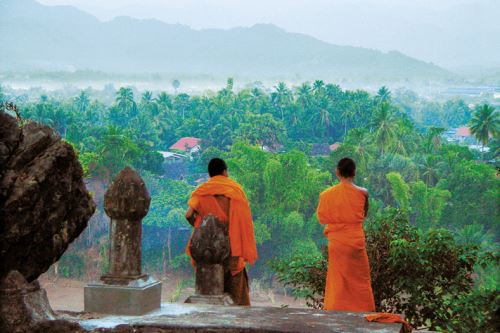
[(65, 38)]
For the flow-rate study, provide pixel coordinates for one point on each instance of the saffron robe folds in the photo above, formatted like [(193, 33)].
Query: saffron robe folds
[(348, 285), (206, 200)]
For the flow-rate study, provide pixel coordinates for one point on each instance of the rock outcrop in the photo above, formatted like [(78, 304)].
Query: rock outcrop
[(22, 304), (44, 204)]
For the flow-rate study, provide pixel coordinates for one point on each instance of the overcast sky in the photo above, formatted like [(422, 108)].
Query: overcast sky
[(451, 33)]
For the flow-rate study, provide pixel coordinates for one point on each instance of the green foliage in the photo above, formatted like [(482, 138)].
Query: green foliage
[(182, 263), (485, 122), (400, 191), (168, 199), (71, 265), (283, 193), (474, 312), (305, 273), (427, 204), (474, 189)]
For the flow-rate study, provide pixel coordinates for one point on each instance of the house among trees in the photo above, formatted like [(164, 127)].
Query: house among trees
[(335, 146), (320, 149), (170, 157), (176, 159), (188, 145), (462, 134), (323, 149)]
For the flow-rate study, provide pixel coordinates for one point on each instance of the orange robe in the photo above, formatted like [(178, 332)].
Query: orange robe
[(241, 233), (348, 284)]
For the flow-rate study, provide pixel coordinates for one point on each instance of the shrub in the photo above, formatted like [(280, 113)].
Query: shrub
[(71, 265), (182, 262)]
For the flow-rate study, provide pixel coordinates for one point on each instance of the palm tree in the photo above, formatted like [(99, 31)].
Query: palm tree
[(383, 123), (164, 100), (182, 103), (82, 101), (348, 114), (433, 139), (383, 95), (318, 86), (125, 99), (485, 122), (325, 118), (176, 84), (333, 91), (304, 95), (147, 97), (281, 98), (428, 169)]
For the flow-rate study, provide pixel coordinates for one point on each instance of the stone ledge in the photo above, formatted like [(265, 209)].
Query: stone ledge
[(209, 318)]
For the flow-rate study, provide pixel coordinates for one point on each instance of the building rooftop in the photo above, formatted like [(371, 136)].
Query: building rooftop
[(186, 143), (463, 131)]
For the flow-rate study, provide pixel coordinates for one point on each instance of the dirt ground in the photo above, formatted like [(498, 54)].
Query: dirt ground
[(67, 294)]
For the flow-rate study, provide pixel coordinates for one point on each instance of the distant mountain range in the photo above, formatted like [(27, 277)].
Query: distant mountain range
[(38, 37)]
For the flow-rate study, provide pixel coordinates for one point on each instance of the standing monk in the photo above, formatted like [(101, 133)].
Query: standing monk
[(342, 208), (224, 198)]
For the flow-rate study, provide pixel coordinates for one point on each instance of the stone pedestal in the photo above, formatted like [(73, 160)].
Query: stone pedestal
[(124, 289), (134, 299), (209, 279)]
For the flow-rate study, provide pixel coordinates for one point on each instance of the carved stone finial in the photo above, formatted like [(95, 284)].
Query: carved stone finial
[(126, 202), (127, 198), (210, 242), (210, 248)]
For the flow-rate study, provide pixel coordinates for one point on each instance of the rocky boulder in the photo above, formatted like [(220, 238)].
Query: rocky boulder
[(44, 204)]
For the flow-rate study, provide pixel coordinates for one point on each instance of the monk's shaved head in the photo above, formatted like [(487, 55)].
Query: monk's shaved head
[(216, 167), (346, 167)]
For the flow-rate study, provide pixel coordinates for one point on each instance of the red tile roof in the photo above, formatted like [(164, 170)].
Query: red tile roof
[(335, 146), (185, 143), (463, 131)]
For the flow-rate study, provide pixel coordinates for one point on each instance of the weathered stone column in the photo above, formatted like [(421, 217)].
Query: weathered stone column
[(210, 248), (126, 203), (124, 289)]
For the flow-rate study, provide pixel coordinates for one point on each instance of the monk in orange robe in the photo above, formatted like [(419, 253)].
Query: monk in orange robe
[(342, 209), (224, 198)]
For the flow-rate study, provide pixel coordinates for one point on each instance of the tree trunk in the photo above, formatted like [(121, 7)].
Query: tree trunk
[(169, 242), (164, 258)]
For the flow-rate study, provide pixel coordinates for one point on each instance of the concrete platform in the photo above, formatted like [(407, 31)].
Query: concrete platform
[(137, 298), (235, 319)]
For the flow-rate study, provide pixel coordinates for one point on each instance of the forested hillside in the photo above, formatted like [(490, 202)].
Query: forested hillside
[(66, 39), (433, 225)]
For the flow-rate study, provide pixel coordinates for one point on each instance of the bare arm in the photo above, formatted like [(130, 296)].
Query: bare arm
[(321, 211), (367, 204), (191, 215), (367, 198)]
